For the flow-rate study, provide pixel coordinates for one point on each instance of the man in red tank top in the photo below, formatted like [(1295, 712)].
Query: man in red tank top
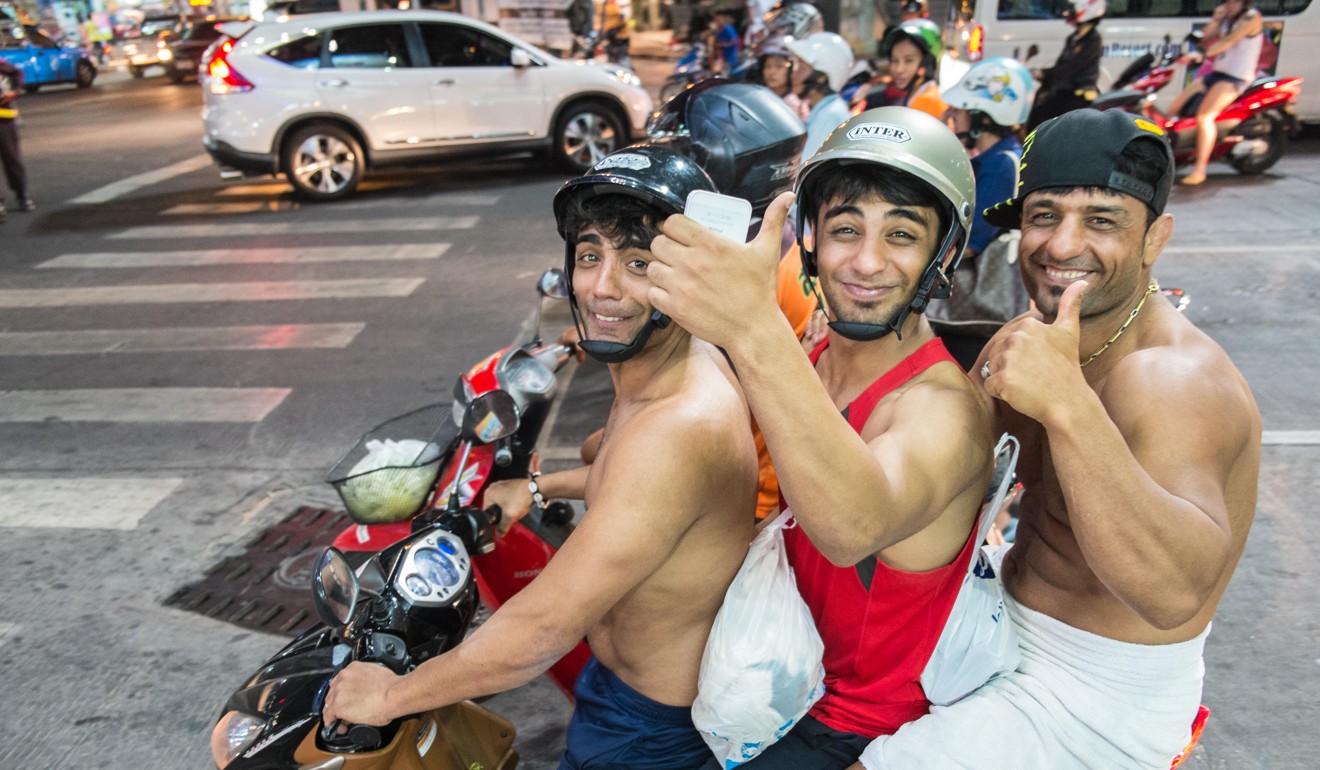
[(882, 445)]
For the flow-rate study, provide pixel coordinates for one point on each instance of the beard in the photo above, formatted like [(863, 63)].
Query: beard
[(849, 309)]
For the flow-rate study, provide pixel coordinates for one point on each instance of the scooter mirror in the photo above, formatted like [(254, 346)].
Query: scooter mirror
[(490, 417), (334, 588), (553, 284)]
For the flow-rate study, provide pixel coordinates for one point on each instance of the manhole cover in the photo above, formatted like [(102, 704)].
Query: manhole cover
[(268, 586)]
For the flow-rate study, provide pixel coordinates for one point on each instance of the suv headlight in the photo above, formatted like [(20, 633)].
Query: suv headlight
[(625, 76), (232, 734)]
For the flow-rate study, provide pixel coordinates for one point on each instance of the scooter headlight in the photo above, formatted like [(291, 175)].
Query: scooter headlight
[(232, 734), (528, 375)]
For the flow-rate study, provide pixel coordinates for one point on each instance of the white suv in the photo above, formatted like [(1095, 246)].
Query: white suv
[(321, 98)]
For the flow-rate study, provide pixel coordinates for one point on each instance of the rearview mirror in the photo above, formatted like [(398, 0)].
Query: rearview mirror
[(490, 417), (553, 284), (334, 588), (519, 58)]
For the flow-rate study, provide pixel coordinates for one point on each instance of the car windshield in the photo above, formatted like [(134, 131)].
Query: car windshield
[(152, 26), (204, 31)]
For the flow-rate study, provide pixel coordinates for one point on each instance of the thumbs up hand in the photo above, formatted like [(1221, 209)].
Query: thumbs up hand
[(1032, 365)]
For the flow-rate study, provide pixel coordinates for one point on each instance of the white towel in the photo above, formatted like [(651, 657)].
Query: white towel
[(1077, 700)]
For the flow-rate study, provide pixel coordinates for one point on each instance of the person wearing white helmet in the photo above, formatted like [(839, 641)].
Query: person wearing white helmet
[(829, 59), (881, 443), (1071, 83), (987, 107)]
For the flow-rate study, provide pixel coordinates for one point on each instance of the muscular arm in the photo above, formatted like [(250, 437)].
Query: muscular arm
[(1143, 472), (1144, 477), (661, 474), (851, 497)]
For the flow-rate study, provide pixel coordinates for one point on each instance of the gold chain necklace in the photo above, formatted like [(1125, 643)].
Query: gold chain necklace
[(1151, 289)]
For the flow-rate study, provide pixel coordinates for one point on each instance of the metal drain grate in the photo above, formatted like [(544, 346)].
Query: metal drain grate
[(268, 586)]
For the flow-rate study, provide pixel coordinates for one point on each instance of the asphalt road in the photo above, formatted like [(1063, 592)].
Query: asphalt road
[(103, 519)]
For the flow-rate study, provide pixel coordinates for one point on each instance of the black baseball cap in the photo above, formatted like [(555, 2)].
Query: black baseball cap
[(1081, 149)]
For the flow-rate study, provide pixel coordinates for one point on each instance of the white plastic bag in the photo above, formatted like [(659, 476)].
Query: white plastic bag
[(762, 669), (978, 642)]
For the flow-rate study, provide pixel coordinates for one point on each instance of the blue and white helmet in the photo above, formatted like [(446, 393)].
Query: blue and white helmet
[(999, 86)]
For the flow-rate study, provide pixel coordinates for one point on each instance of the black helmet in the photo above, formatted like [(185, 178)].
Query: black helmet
[(746, 138), (654, 175)]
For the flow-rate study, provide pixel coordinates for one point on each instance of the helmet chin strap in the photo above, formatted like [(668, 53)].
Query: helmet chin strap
[(615, 352)]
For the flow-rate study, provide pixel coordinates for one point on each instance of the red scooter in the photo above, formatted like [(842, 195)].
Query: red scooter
[(404, 470), (1252, 131)]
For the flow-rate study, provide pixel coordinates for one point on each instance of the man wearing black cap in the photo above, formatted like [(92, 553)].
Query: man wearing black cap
[(1136, 504)]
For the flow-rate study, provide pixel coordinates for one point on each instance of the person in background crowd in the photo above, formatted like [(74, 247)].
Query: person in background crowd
[(986, 109), (1233, 39), (827, 59), (11, 155), (913, 50), (1071, 83)]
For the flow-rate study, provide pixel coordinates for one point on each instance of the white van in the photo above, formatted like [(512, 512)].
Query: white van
[(1131, 28)]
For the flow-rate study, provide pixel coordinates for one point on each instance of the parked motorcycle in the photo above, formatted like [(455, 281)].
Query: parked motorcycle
[(410, 602), (406, 468), (1251, 132)]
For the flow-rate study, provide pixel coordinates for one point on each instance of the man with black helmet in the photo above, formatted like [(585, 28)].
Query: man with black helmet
[(1137, 502), (882, 444), (669, 504)]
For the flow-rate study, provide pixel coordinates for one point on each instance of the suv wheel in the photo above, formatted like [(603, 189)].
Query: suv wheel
[(323, 162), (84, 74), (585, 133)]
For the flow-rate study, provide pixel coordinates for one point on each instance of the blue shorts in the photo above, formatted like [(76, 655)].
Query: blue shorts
[(614, 726), (1220, 77)]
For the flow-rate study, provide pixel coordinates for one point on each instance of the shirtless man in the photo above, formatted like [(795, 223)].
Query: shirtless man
[(669, 508), (1137, 500), (887, 495)]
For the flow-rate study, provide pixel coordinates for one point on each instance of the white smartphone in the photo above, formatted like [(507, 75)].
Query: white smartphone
[(722, 214)]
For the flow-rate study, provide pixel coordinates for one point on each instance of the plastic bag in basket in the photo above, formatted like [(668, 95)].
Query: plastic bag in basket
[(761, 671), (392, 481)]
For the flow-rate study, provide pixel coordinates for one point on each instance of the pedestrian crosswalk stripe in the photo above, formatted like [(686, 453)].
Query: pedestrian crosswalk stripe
[(235, 207), (81, 503), (140, 404), (134, 183), (92, 341), (256, 291), (225, 230), (248, 256), (1290, 438)]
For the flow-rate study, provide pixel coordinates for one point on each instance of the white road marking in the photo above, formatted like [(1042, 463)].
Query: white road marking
[(59, 343), (258, 255), (226, 230), (269, 188), (83, 503), (140, 404), (134, 183), (237, 207), (256, 291), (1243, 248), (1290, 438)]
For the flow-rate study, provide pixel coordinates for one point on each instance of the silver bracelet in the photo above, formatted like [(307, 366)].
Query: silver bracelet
[(538, 499)]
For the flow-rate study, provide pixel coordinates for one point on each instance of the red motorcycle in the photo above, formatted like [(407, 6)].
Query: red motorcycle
[(403, 471), (1252, 131)]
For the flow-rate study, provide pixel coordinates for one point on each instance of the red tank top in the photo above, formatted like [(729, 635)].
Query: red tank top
[(877, 640)]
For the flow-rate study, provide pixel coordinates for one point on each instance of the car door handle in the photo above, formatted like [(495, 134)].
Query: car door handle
[(334, 83), (443, 82)]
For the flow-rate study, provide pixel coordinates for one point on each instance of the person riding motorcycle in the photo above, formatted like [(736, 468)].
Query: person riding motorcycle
[(913, 49), (1072, 82), (831, 60), (987, 108)]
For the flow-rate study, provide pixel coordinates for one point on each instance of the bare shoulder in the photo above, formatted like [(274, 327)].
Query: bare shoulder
[(1185, 384), (945, 394)]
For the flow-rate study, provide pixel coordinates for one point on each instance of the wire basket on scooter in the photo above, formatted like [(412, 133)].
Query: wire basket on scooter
[(390, 472)]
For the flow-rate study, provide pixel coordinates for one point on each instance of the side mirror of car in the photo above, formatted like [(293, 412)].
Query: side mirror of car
[(520, 58)]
